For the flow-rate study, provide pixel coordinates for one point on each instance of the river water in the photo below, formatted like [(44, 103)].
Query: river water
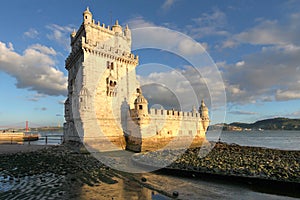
[(285, 140)]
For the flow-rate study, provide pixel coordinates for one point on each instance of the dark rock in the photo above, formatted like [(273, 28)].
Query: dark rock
[(143, 179), (175, 194)]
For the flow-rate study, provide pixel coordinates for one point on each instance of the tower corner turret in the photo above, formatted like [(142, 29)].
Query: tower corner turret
[(203, 110), (87, 16)]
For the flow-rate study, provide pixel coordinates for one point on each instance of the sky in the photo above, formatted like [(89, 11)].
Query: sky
[(254, 44)]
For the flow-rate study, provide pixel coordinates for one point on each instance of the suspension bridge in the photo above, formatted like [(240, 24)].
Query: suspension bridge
[(26, 125)]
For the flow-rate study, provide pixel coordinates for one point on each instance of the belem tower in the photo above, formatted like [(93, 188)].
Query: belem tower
[(106, 109)]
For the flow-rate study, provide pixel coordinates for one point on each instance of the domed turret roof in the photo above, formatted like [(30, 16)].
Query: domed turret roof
[(203, 106), (140, 98), (87, 11)]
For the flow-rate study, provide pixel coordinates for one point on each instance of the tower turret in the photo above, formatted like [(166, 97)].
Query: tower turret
[(141, 105), (203, 110), (87, 16), (127, 33), (117, 28)]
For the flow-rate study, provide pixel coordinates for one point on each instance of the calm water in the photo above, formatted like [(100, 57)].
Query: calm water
[(49, 137), (286, 140)]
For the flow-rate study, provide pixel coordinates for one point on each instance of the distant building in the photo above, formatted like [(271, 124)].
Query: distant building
[(105, 107)]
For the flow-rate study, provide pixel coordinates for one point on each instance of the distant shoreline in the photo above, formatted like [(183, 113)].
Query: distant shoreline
[(279, 123)]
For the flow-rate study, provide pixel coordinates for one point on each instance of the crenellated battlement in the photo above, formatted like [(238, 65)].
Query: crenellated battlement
[(101, 40), (174, 114), (105, 51)]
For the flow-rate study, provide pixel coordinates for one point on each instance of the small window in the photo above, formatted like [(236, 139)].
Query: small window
[(141, 107)]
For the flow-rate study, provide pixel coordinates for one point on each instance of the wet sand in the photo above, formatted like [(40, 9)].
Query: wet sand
[(64, 172)]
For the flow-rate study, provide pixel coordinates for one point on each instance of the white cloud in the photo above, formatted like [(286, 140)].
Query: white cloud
[(31, 33), (168, 4), (240, 63), (62, 102), (190, 47), (139, 22), (36, 97), (229, 44), (43, 49), (34, 69), (212, 23), (240, 112), (284, 95), (181, 88), (60, 34), (269, 32), (168, 40), (273, 73)]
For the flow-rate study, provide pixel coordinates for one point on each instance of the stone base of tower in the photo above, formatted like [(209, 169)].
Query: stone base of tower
[(157, 143), (70, 133), (104, 144)]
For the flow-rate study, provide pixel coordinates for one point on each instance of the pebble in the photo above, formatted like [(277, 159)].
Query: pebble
[(175, 194), (143, 179)]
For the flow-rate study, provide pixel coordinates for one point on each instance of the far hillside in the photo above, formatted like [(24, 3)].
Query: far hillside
[(279, 123)]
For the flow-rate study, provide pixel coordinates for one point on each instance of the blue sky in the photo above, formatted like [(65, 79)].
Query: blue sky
[(255, 44)]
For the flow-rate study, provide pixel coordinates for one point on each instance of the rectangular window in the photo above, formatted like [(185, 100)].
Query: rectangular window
[(141, 107)]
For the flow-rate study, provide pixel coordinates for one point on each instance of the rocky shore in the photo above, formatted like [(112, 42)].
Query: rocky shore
[(233, 160), (70, 172)]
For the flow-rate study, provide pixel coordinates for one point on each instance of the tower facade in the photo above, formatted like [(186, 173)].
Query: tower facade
[(101, 75), (105, 108)]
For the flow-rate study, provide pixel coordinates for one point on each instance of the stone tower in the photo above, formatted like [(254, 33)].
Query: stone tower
[(106, 109), (101, 74)]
